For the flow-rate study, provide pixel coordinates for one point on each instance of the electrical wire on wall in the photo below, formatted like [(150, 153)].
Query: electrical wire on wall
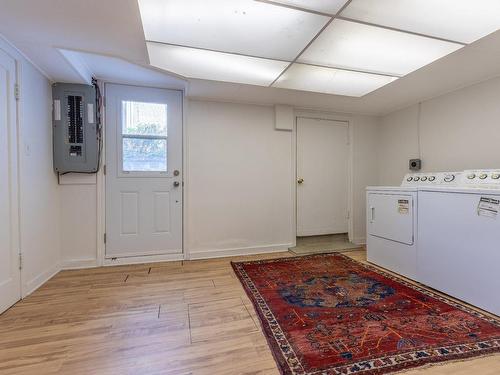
[(98, 100), (419, 114)]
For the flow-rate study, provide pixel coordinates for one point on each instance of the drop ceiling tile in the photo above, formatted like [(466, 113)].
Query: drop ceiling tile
[(238, 26), (323, 6), (357, 46), (215, 66), (459, 20), (331, 81)]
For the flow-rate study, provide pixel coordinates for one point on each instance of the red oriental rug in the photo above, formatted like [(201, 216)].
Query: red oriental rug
[(329, 314)]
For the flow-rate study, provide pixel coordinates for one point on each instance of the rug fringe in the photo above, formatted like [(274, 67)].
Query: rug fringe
[(442, 363)]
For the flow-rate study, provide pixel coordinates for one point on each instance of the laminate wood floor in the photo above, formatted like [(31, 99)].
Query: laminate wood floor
[(179, 318)]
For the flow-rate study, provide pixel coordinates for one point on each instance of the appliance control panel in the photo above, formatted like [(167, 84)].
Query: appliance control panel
[(481, 178), (432, 179)]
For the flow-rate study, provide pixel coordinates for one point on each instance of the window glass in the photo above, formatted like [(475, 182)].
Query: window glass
[(144, 155), (144, 118), (144, 137)]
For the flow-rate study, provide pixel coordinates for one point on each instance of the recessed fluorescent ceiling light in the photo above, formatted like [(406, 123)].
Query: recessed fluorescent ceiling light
[(217, 66), (357, 46), (241, 26), (459, 20), (331, 81), (323, 6)]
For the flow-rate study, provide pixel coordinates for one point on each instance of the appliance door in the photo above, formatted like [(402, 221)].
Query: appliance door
[(390, 216), (459, 246)]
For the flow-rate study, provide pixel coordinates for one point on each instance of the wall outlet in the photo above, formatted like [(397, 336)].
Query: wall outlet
[(415, 164)]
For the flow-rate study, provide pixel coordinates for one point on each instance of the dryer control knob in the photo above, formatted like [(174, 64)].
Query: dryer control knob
[(424, 178), (449, 178), (471, 176), (416, 178), (409, 179), (483, 176), (495, 176), (432, 178)]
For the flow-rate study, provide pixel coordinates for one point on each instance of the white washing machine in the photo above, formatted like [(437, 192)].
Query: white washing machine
[(392, 221), (459, 239)]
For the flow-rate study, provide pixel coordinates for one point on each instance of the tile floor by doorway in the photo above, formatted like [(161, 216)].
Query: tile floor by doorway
[(321, 244), (179, 318)]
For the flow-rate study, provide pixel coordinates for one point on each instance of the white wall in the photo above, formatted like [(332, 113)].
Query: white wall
[(239, 180), (397, 141), (39, 200), (458, 131), (364, 170), (78, 210), (239, 188)]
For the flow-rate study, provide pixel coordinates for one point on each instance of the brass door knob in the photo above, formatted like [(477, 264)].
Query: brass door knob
[(300, 180)]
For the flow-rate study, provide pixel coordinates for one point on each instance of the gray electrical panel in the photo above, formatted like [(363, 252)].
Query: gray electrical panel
[(76, 133)]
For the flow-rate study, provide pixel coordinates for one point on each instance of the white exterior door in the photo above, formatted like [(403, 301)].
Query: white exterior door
[(143, 171), (322, 176), (10, 274)]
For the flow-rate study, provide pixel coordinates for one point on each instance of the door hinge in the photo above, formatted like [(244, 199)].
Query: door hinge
[(20, 261), (104, 169), (104, 237), (17, 91)]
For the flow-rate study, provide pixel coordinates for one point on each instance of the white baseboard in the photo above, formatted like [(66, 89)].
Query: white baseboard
[(206, 254), (359, 241), (35, 283), (78, 264), (143, 259)]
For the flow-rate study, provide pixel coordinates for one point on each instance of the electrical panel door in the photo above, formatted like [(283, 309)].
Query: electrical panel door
[(76, 135)]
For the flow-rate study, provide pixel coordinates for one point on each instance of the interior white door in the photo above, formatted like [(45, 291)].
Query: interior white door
[(10, 274), (143, 171), (322, 176)]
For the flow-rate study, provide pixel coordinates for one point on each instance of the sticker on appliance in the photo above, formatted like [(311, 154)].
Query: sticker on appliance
[(403, 206), (488, 207)]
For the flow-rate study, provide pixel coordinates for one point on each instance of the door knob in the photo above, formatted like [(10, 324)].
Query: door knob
[(176, 183), (300, 180)]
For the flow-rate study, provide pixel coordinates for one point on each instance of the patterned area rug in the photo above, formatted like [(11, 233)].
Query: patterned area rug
[(329, 314)]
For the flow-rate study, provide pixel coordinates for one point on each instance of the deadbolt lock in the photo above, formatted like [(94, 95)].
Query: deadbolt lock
[(176, 172), (300, 180)]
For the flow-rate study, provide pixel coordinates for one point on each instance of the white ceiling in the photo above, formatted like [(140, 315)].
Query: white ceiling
[(105, 38), (247, 27), (372, 37)]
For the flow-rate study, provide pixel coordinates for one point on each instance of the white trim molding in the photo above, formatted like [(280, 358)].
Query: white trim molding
[(76, 264), (143, 259), (35, 283), (239, 251)]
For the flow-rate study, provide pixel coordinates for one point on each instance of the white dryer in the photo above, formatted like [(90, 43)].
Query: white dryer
[(459, 239), (392, 221)]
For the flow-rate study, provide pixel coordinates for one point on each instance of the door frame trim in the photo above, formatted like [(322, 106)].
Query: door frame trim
[(14, 142), (350, 185), (101, 191)]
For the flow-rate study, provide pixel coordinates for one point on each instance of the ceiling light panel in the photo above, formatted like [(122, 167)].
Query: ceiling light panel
[(358, 46), (323, 6), (238, 26), (330, 81), (459, 20), (216, 66)]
